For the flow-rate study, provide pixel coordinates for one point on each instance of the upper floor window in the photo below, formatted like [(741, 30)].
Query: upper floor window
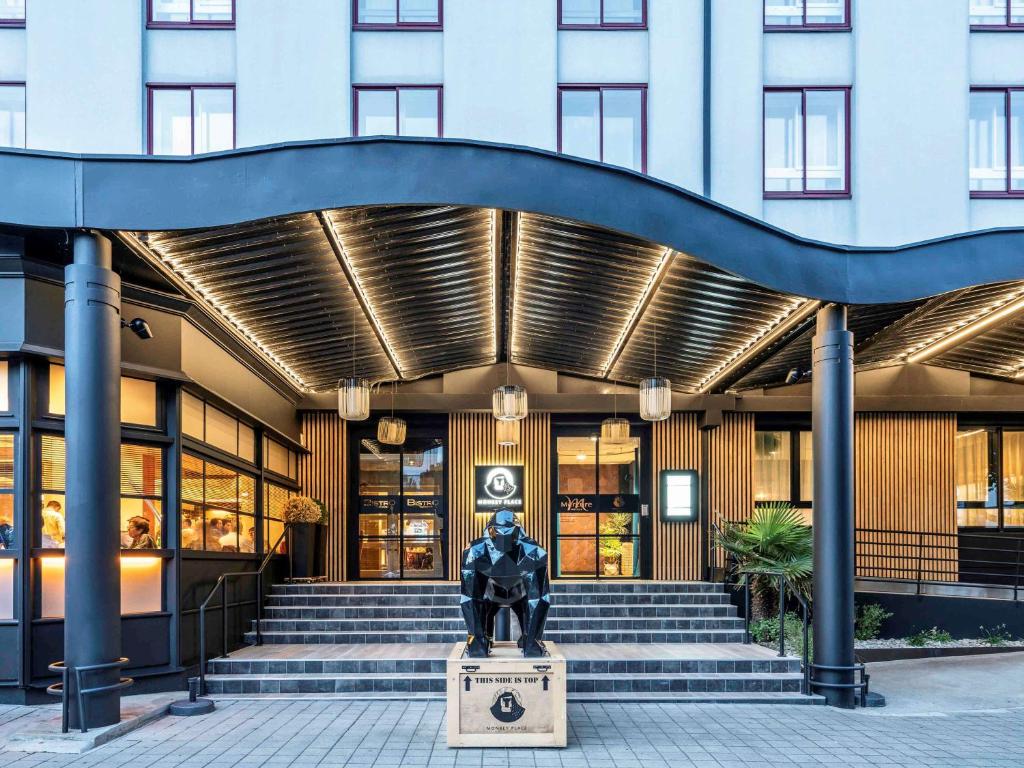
[(996, 142), (138, 398), (806, 142), (191, 119), (604, 122), (602, 14), (12, 115), (806, 14), (191, 13), (997, 14), (207, 424), (989, 468), (12, 13), (784, 467), (279, 459), (397, 110), (400, 14)]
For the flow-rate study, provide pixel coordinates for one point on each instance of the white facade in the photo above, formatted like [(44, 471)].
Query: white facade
[(910, 65)]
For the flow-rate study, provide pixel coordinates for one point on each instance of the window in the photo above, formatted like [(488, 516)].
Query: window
[(274, 498), (806, 142), (997, 14), (989, 468), (7, 532), (191, 13), (784, 467), (389, 110), (279, 459), (995, 134), (12, 13), (400, 14), (218, 507), (191, 119), (602, 14), (806, 14), (605, 123), (12, 115), (141, 494), (138, 398), (207, 424), (5, 387)]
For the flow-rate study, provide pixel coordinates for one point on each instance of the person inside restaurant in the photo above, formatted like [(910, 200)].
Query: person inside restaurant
[(53, 525)]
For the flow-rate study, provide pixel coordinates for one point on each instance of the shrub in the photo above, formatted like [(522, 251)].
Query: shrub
[(303, 509), (925, 636), (996, 636), (766, 632), (869, 621)]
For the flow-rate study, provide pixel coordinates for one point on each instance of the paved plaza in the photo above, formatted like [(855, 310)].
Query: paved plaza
[(407, 733)]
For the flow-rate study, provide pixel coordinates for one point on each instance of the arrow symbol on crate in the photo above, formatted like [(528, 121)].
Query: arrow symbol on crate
[(468, 681), (545, 681)]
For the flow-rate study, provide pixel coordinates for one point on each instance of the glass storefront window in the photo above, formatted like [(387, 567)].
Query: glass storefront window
[(138, 398), (1013, 479), (279, 459), (771, 466), (7, 533), (207, 424), (141, 494), (141, 585), (217, 507), (6, 589), (274, 498), (806, 467), (5, 387)]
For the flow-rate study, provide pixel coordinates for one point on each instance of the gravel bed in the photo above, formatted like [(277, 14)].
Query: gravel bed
[(900, 642)]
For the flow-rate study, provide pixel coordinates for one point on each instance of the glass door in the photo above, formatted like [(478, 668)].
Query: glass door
[(401, 509), (597, 507)]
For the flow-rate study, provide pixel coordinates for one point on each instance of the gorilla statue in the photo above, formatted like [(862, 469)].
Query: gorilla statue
[(504, 568)]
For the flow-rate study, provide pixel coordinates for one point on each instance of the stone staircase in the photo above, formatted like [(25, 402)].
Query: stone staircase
[(624, 641)]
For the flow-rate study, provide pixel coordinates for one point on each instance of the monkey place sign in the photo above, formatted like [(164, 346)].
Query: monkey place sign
[(506, 700)]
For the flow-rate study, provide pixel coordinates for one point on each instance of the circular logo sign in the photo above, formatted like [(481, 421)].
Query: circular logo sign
[(499, 484), (508, 705)]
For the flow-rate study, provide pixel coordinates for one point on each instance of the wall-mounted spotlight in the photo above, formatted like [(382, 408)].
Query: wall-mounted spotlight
[(794, 375), (139, 327)]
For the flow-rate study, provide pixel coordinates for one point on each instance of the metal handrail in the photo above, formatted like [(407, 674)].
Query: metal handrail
[(222, 585), (61, 688)]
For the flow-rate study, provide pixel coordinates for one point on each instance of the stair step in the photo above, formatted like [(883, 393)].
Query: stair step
[(458, 625), (442, 636), (450, 588), (446, 601), (311, 612)]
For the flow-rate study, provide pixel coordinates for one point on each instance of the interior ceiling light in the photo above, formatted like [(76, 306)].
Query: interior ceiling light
[(391, 429), (508, 401), (768, 336), (966, 332), (615, 430), (354, 392), (655, 391)]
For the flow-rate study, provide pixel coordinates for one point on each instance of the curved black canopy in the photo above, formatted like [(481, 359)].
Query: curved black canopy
[(131, 193)]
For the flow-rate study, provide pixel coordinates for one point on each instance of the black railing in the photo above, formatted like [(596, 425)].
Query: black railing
[(82, 693), (222, 585)]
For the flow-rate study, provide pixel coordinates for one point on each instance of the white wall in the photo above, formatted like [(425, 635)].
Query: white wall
[(500, 63), (293, 71), (190, 55), (84, 64), (415, 58), (602, 56)]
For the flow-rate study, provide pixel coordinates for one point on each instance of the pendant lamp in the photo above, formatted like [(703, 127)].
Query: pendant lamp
[(655, 392), (615, 430), (391, 429), (508, 401), (354, 392), (507, 433)]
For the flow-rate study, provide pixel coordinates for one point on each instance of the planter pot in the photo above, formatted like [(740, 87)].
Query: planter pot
[(308, 550)]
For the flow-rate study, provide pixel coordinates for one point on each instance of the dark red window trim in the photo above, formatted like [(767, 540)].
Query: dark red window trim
[(601, 88), (1007, 192), (192, 88), (396, 87), (153, 24), (845, 26), (405, 26), (603, 24), (839, 194), (1007, 26)]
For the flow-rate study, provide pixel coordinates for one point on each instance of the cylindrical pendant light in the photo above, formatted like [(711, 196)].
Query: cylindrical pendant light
[(507, 433), (509, 402), (391, 430), (354, 399), (655, 398), (615, 430)]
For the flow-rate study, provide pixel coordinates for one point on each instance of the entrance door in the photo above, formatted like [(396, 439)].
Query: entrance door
[(397, 531), (600, 532)]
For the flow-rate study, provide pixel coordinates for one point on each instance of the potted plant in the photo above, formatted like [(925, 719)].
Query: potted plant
[(307, 518), (612, 530), (774, 539)]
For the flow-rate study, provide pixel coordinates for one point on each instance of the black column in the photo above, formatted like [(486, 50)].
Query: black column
[(92, 580), (833, 503)]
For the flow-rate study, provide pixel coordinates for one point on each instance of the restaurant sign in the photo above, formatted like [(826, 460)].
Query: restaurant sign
[(606, 502), (499, 487), (423, 504), (381, 505)]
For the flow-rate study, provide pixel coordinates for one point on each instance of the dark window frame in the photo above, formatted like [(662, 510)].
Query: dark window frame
[(603, 24), (845, 26), (994, 453), (1007, 26), (14, 23), (401, 26), (396, 87), (151, 88), (1007, 192), (794, 465), (152, 23), (815, 194), (601, 88)]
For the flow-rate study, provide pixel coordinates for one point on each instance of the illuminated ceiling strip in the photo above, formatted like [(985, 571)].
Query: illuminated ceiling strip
[(496, 237), (357, 289), (513, 301), (643, 301), (168, 268), (772, 334), (967, 332)]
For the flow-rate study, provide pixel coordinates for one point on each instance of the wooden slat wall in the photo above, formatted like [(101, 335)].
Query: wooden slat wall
[(322, 475), (675, 444), (731, 491), (905, 482), (471, 440)]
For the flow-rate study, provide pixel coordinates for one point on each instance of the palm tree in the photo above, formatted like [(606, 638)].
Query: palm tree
[(774, 539)]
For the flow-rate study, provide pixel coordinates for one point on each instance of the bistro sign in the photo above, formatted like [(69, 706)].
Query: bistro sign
[(499, 487)]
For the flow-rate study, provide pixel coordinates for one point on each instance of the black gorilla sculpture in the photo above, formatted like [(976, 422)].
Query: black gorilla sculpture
[(504, 568)]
